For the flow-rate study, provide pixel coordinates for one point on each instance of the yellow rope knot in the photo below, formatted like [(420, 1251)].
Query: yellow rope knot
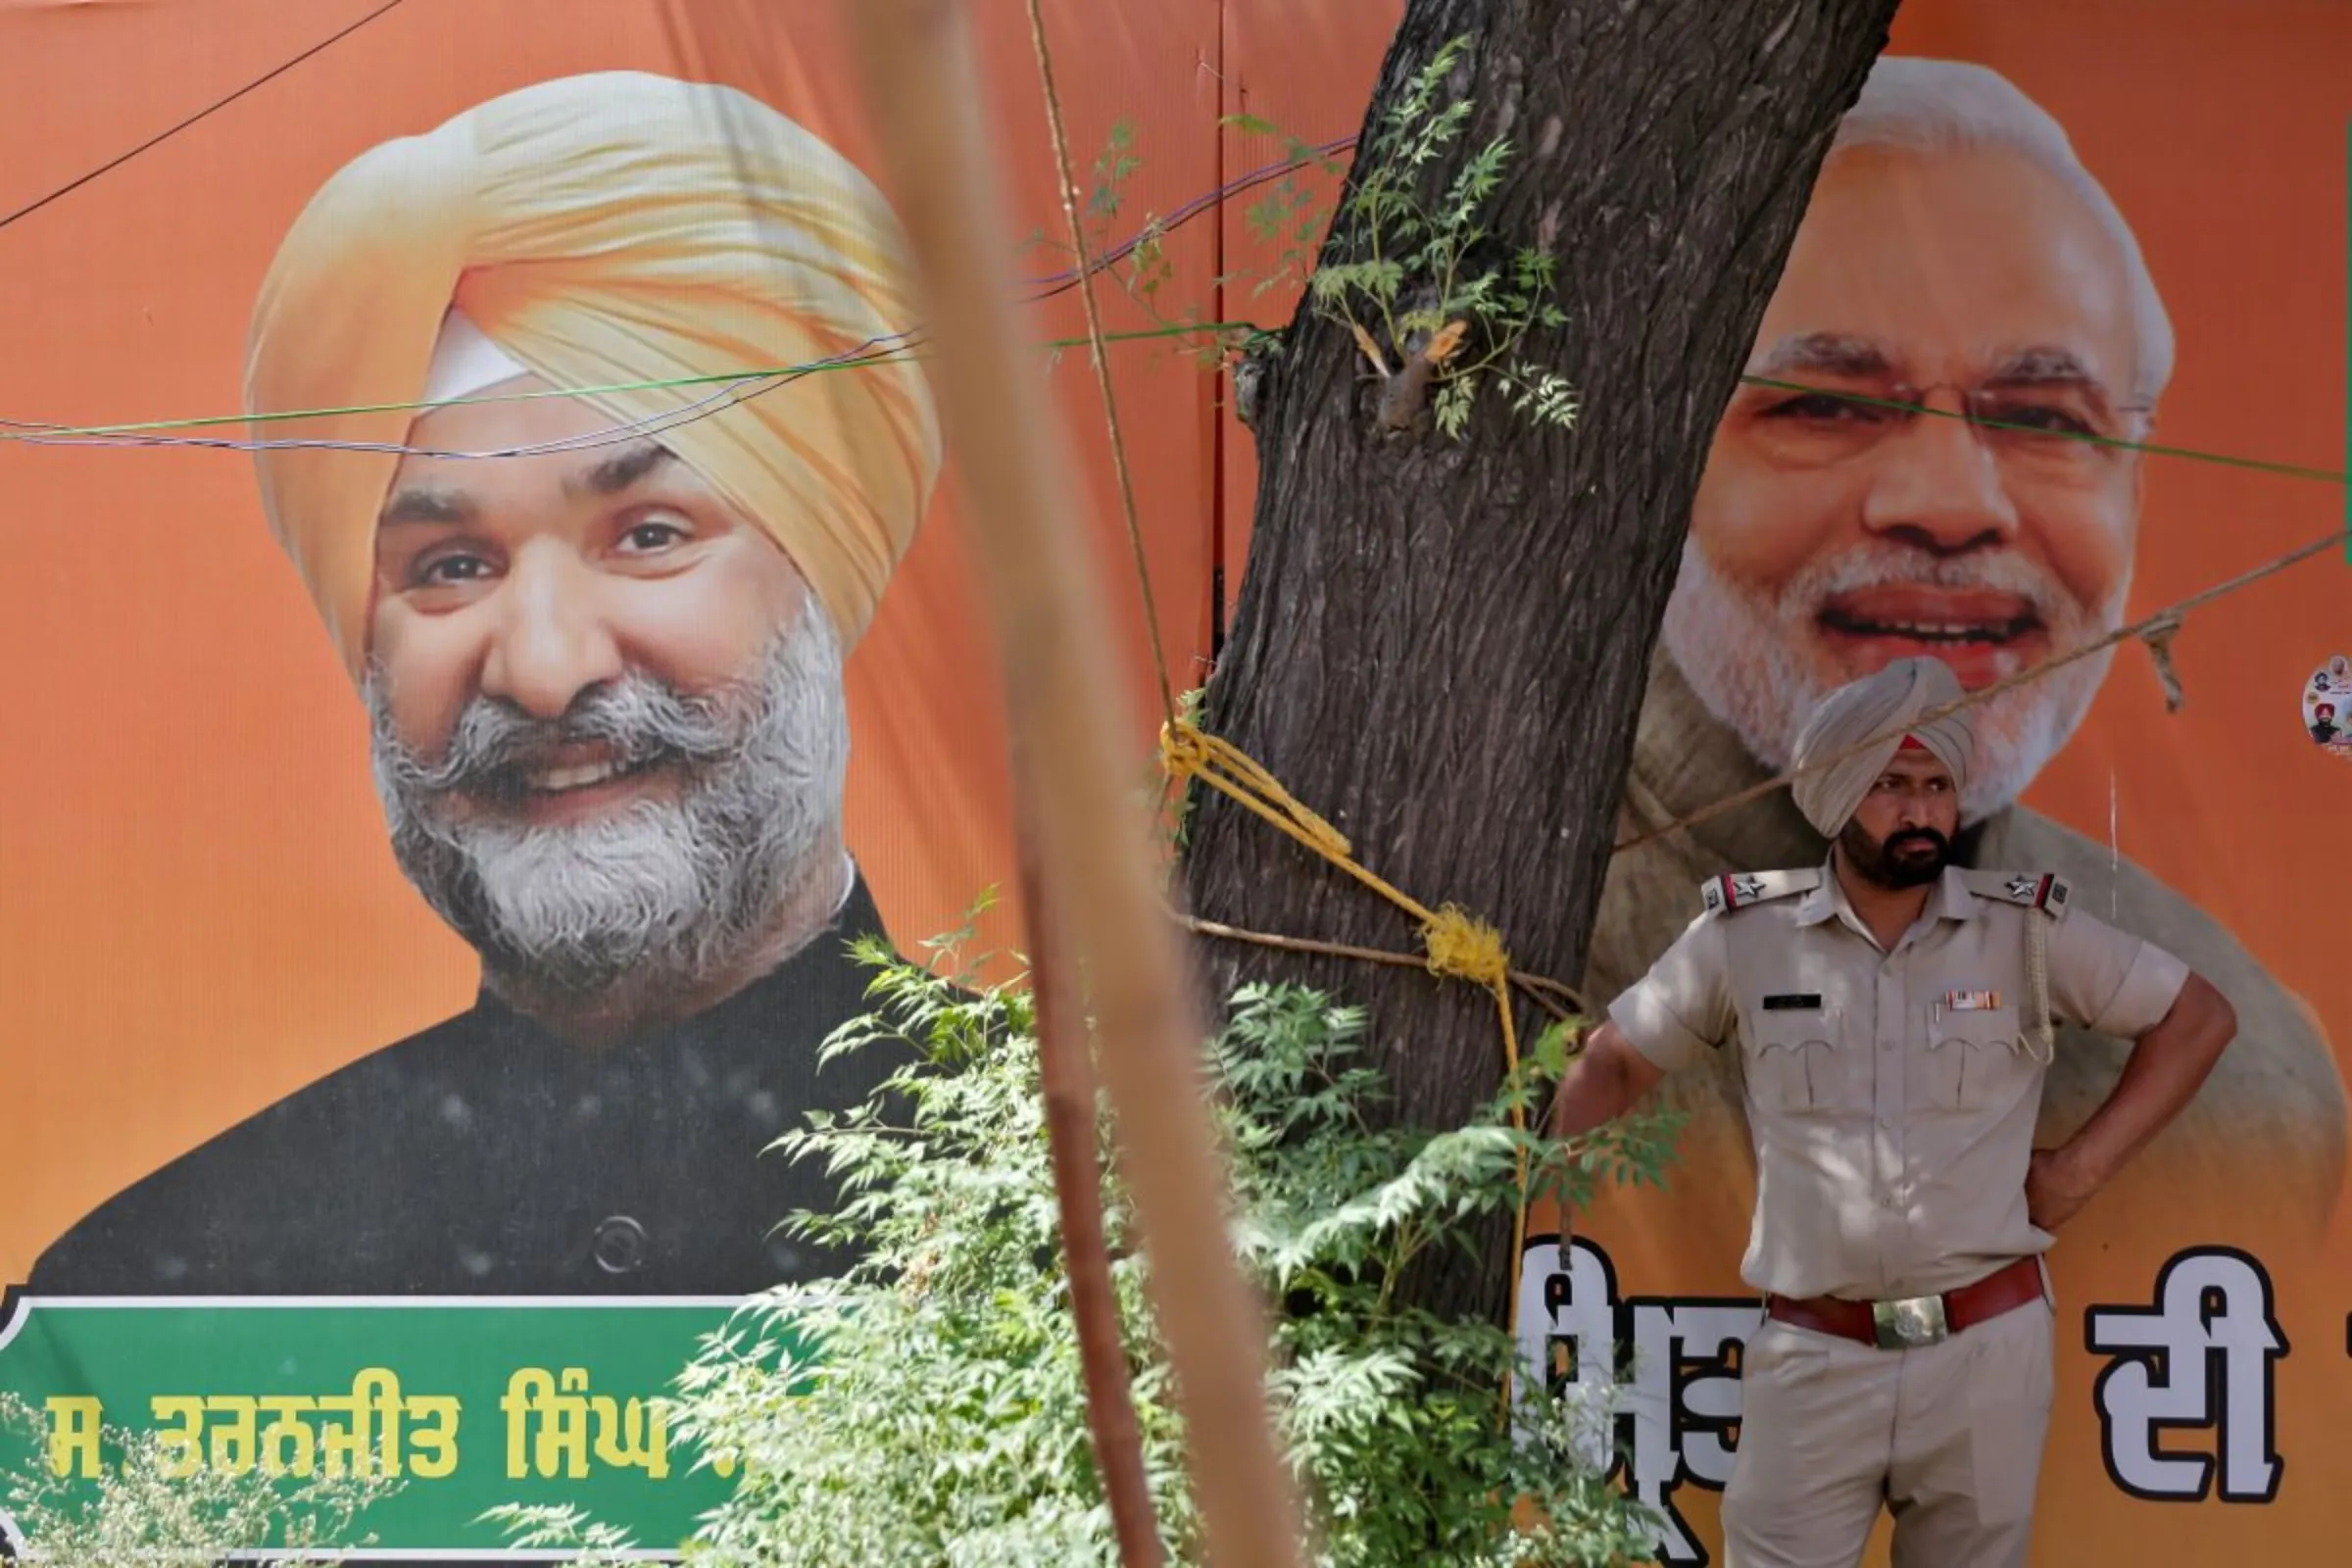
[(1187, 751), (1460, 946), (1466, 948), (1183, 750)]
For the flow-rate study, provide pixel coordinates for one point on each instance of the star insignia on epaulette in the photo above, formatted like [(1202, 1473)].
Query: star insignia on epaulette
[(1739, 889), (2047, 891)]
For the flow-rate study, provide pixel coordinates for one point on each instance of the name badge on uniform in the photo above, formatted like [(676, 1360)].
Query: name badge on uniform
[(1809, 1002), (1971, 1001)]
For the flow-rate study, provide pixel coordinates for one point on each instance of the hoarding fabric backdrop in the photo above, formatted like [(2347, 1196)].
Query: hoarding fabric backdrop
[(432, 833)]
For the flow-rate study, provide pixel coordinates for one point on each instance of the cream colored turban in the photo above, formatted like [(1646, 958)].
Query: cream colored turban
[(1882, 704), (604, 231)]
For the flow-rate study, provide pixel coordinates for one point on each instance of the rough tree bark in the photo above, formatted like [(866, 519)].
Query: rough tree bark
[(1442, 645)]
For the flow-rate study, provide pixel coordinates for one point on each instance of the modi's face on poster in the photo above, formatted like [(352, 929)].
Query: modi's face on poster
[(1921, 469)]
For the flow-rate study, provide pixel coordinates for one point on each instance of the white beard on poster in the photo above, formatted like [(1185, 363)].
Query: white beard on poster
[(1751, 655)]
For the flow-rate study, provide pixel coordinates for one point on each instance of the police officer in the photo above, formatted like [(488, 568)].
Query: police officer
[(1893, 1017)]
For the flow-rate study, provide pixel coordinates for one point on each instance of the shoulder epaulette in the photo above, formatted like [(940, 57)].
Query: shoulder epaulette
[(1722, 895), (2045, 891)]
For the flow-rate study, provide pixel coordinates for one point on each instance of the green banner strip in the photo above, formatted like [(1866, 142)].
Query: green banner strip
[(471, 1403)]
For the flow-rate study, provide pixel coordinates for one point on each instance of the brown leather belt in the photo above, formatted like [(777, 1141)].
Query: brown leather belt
[(1921, 1320)]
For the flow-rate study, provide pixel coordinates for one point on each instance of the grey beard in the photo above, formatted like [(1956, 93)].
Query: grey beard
[(666, 895), (1747, 656)]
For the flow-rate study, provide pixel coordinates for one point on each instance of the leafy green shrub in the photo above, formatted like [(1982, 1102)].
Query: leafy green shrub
[(149, 1507), (1417, 268), (944, 1420)]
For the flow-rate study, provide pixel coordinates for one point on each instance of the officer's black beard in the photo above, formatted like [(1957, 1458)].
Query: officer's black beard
[(1910, 858)]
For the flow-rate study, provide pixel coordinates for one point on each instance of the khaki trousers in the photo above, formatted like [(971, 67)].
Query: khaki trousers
[(1948, 1437)]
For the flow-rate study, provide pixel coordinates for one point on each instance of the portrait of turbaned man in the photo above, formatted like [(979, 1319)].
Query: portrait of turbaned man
[(596, 599), (1931, 454)]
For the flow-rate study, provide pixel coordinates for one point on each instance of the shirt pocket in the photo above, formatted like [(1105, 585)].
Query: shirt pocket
[(1800, 1064), (1973, 1061)]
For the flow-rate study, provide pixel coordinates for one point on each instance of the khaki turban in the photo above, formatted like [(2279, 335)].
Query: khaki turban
[(604, 231), (1882, 704)]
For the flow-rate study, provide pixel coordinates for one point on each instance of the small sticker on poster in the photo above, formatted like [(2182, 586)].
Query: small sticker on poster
[(2328, 707)]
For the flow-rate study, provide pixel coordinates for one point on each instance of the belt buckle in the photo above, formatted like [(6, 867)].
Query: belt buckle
[(1910, 1324)]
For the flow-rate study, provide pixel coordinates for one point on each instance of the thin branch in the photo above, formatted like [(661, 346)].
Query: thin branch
[(1066, 715), (1561, 1001), (1094, 333), (1066, 1076)]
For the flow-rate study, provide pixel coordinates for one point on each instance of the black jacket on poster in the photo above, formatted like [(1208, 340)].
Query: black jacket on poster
[(484, 1156)]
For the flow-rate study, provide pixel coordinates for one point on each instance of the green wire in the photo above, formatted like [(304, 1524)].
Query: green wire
[(2256, 465), (891, 357), (885, 356)]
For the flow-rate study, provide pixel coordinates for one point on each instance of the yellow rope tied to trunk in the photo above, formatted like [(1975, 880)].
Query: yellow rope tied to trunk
[(1459, 945)]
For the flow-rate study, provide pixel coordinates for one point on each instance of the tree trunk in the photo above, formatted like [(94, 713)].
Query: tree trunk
[(1440, 645)]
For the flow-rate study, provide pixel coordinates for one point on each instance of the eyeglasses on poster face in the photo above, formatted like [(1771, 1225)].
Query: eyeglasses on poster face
[(2055, 432)]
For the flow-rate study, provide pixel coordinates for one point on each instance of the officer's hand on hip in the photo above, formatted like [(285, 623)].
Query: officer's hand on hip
[(2056, 1188)]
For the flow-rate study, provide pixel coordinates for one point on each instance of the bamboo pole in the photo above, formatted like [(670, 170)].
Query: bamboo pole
[(1066, 1077), (1069, 719)]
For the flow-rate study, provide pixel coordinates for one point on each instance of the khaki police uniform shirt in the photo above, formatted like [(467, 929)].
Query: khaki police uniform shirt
[(2271, 1119), (1891, 1095)]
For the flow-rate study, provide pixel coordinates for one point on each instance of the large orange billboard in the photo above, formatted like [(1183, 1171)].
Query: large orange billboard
[(489, 616)]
